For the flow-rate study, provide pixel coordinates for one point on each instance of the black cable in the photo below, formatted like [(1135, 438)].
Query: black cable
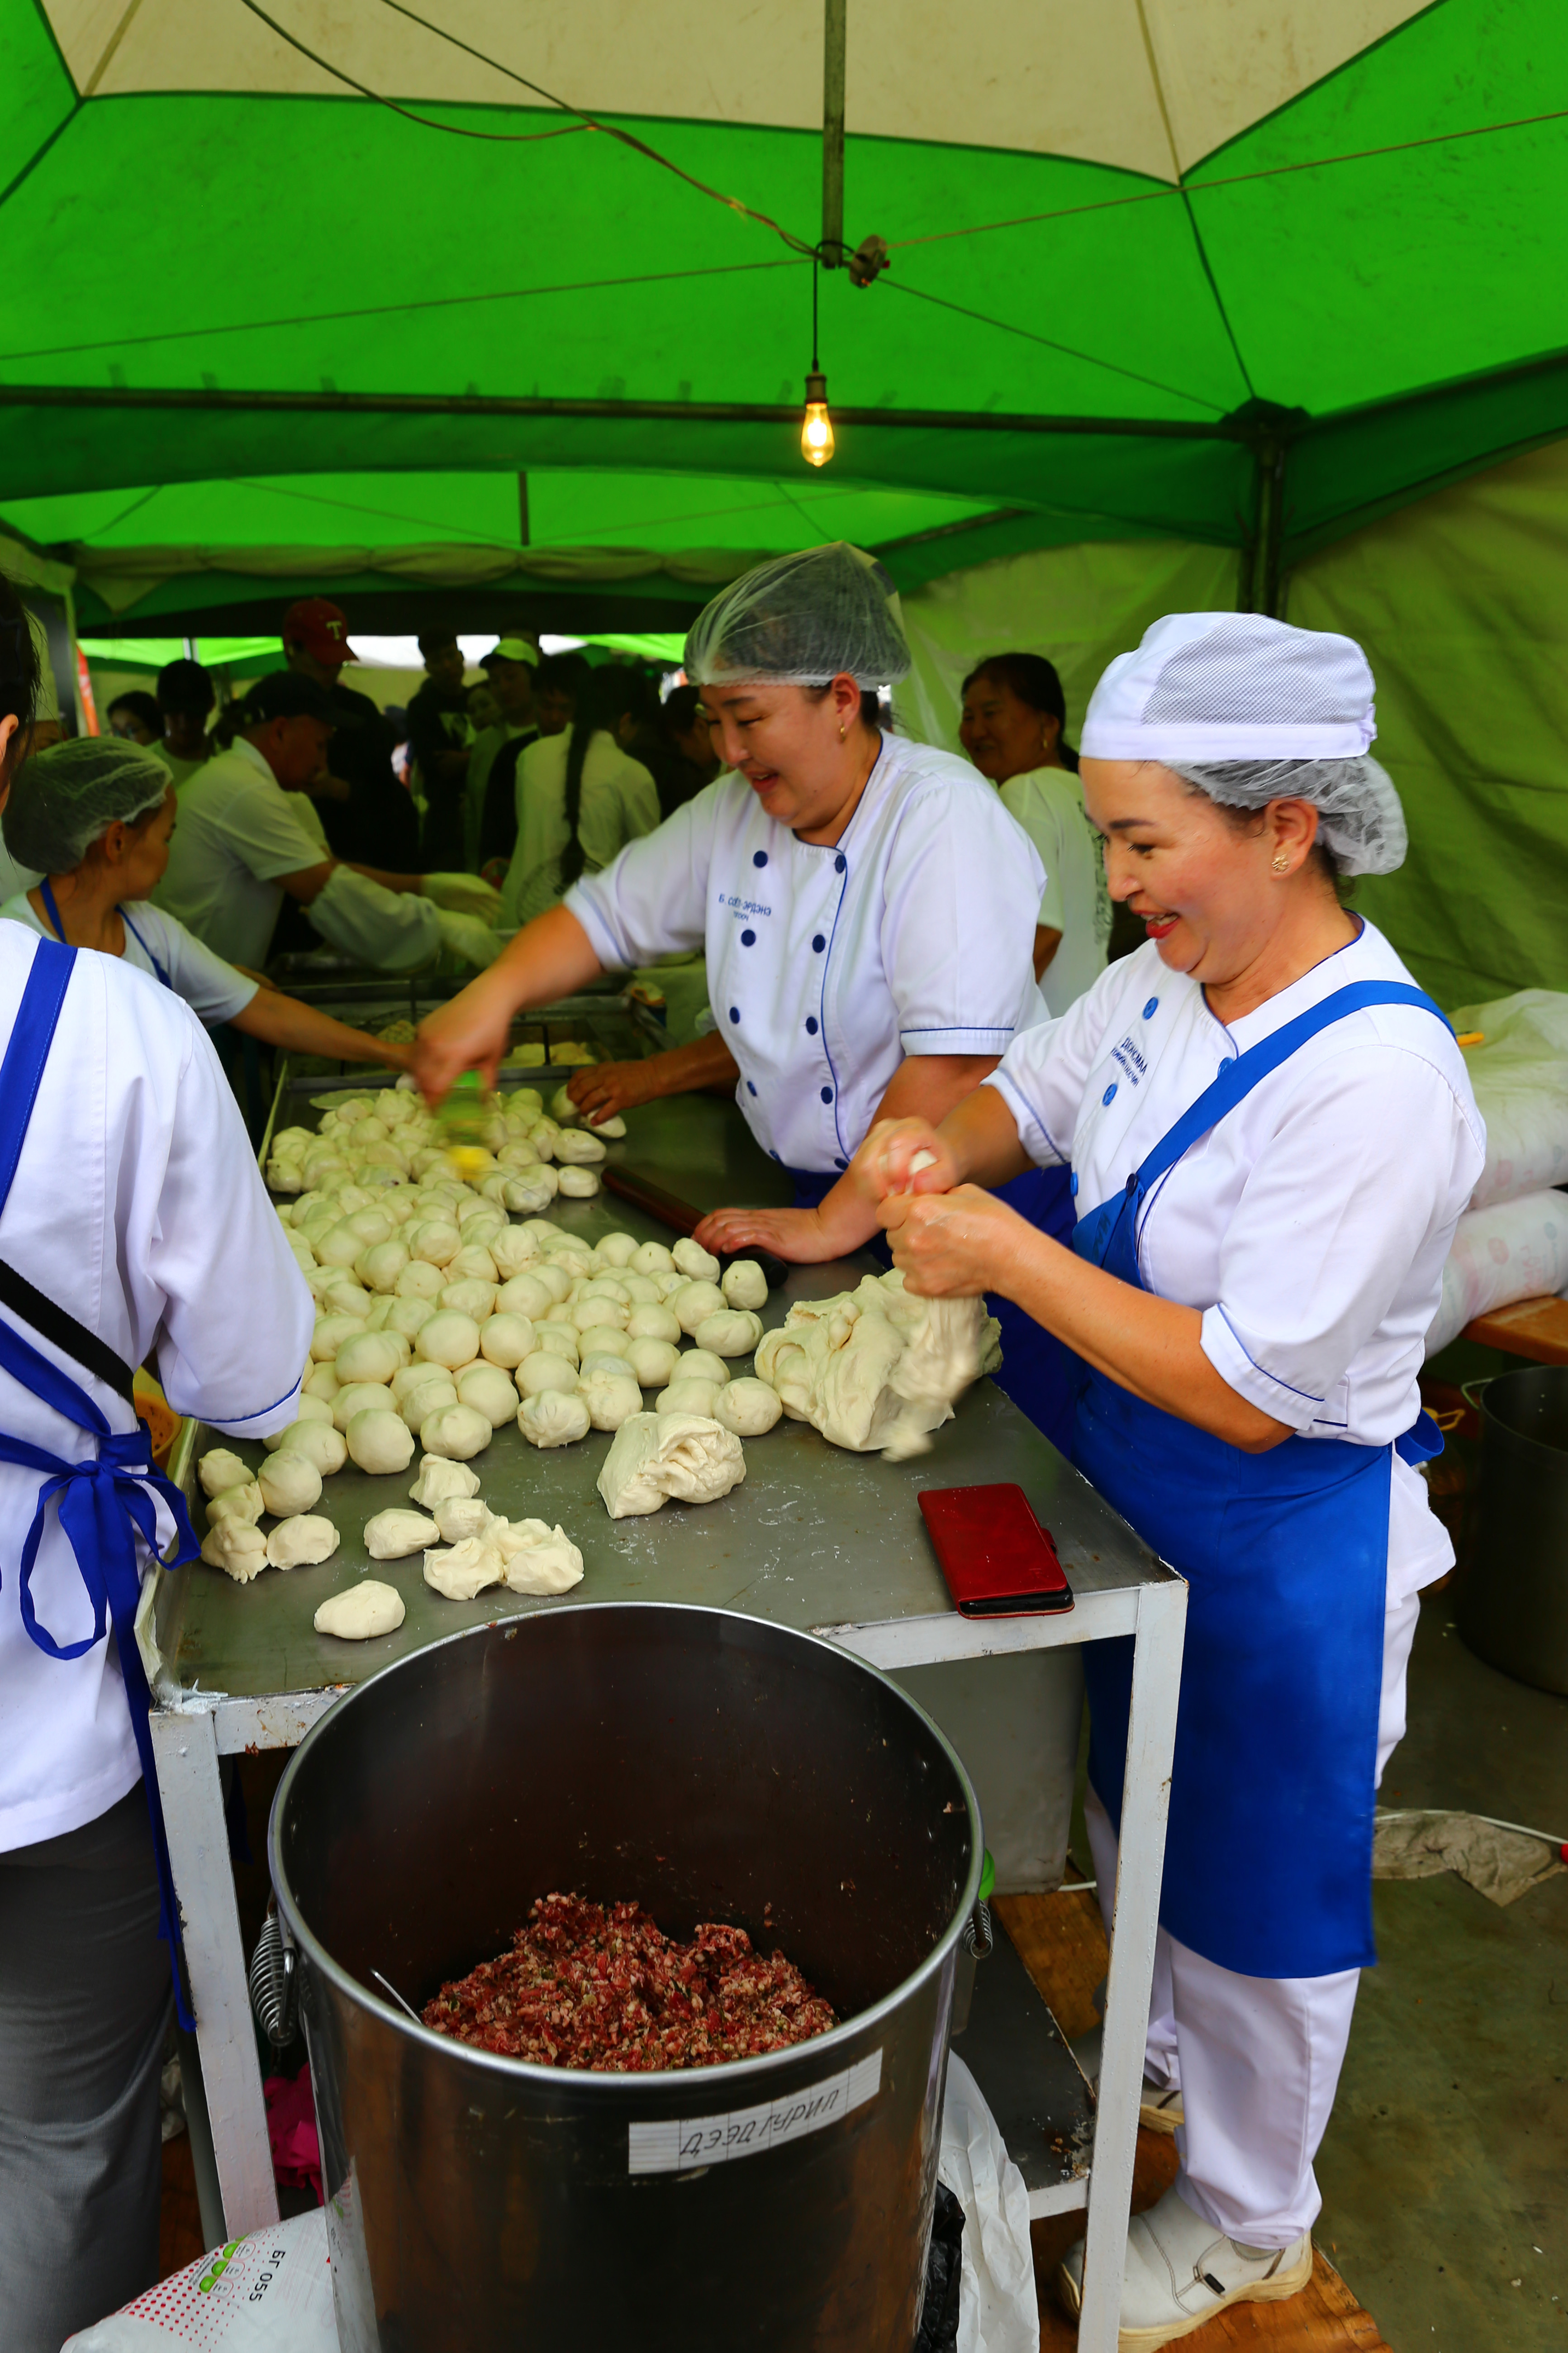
[(902, 286)]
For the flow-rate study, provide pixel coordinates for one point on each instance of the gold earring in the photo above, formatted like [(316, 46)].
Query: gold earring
[(1280, 864), (841, 734)]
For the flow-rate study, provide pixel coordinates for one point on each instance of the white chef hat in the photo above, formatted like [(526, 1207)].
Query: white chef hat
[(800, 621), (1251, 711)]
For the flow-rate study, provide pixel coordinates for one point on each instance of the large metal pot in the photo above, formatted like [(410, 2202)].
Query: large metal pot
[(1511, 1604), (708, 1765)]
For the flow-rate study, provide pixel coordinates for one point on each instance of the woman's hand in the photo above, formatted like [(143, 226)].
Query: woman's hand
[(955, 1245), (603, 1089), (470, 1033), (885, 1163), (799, 1235)]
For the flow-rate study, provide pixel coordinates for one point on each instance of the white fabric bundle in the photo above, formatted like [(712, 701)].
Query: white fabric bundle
[(1513, 1250), (1519, 1073)]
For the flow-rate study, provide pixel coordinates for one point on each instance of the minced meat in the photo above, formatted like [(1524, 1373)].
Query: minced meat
[(607, 1990)]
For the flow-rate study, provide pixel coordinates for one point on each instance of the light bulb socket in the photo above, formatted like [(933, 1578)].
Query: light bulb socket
[(815, 386)]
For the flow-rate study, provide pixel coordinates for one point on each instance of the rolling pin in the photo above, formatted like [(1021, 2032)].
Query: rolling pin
[(670, 1210)]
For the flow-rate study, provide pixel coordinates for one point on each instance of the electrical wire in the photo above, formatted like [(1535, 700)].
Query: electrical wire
[(902, 286)]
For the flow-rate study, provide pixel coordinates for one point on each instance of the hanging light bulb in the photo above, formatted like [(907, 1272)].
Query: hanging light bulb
[(816, 426)]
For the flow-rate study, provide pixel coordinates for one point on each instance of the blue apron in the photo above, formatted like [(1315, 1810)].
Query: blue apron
[(105, 1502), (1268, 1850)]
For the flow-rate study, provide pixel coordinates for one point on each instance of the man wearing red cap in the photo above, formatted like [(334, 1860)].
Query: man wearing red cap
[(367, 814)]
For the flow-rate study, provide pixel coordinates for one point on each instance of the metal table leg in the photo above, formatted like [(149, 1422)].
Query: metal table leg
[(184, 1745)]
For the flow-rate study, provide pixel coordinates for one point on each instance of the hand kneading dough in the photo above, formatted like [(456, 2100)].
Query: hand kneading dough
[(289, 1482), (685, 1396), (393, 1535), (732, 1332), (744, 1284), (695, 1302), (652, 1322), (579, 1183), (320, 1442), (748, 1407), (439, 1478), (380, 1441), (371, 1357), (301, 1541), (552, 1417), (221, 1469), (489, 1391), (505, 1340), (365, 1609), (653, 1362), (235, 1547), (465, 1570), (610, 1398), (538, 1558), (691, 1258), (451, 1338), (311, 1408), (462, 1517), (701, 1365), (545, 1369), (653, 1457), (456, 1429)]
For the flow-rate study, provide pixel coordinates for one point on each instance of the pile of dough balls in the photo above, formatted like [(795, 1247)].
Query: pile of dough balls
[(286, 1486)]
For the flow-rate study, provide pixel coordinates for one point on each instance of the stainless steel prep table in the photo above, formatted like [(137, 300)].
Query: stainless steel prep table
[(815, 1538)]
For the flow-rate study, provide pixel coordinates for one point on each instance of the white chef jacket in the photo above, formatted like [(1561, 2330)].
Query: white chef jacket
[(1049, 805), (138, 1205), (213, 990), (827, 966), (236, 831), (1310, 1225)]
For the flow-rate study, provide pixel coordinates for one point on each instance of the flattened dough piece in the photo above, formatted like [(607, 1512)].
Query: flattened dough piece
[(654, 1456), (464, 1570), (303, 1541), (393, 1534), (365, 1609)]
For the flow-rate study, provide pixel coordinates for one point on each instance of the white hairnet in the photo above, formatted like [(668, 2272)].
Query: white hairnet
[(1251, 711), (800, 621), (66, 799)]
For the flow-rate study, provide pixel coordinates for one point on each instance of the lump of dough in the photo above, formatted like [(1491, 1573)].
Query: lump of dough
[(220, 1469), (380, 1441), (489, 1391), (591, 1311), (691, 1258), (505, 1340), (615, 1127), (457, 1430), (604, 1285), (600, 1360), (744, 1284), (393, 1535), (344, 1296), (615, 1248), (546, 1371), (465, 1570), (529, 1188), (420, 1279), (469, 1296), (694, 1303), (653, 1457), (563, 1110), (439, 1478), (579, 1183), (243, 1505), (331, 1334), (687, 1396), (650, 1257), (380, 1265), (340, 1245), (575, 1145), (552, 1417), (554, 1279), (289, 1482), (731, 1332), (360, 1396), (652, 1322), (428, 1397), (605, 1340), (653, 1362), (513, 1252), (238, 1549), (473, 1264), (561, 1340), (367, 1608), (435, 1239), (524, 1295), (641, 1289), (538, 1558), (311, 1408), (320, 1442), (323, 1384), (408, 1316), (301, 1541), (749, 1408), (451, 1338), (462, 1517), (702, 1365), (371, 1357), (610, 1398)]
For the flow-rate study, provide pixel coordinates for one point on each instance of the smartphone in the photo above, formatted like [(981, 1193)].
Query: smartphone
[(998, 1561)]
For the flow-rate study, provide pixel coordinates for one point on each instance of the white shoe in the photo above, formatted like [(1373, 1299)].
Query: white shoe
[(1181, 2271), (1160, 2105)]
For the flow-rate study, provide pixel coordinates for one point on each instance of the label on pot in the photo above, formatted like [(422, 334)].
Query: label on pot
[(684, 2147)]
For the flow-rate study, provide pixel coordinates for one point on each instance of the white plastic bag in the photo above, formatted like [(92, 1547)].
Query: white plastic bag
[(271, 2293), (997, 2310), (1521, 1078), (1514, 1249)]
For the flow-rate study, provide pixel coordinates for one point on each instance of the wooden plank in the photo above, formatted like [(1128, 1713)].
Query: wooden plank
[(1062, 1941), (1537, 1328)]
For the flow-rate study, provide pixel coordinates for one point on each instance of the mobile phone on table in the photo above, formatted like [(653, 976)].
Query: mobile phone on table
[(998, 1561)]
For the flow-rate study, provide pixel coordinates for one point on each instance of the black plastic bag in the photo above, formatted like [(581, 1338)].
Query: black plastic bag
[(937, 2330)]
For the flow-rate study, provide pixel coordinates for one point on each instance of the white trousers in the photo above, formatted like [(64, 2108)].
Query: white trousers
[(1257, 2059)]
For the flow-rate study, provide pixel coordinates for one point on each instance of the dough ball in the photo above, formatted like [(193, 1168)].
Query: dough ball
[(523, 1294), (311, 1408), (529, 1188), (377, 1321), (579, 1183), (465, 1570), (732, 1332), (427, 1397), (408, 1316), (456, 1429), (419, 1280), (320, 1442), (379, 1269), (589, 1312), (371, 1226), (393, 1534), (301, 1541), (323, 1383), (702, 1365), (371, 1357), (610, 1398), (615, 1249), (563, 1110), (694, 1303), (556, 1279), (611, 1129), (451, 1338), (744, 1284), (238, 1549), (505, 1340), (380, 1441), (574, 1146), (653, 1362), (340, 1245), (562, 1339), (604, 1286), (472, 1264), (289, 1482), (640, 1289), (489, 1391), (360, 1396), (409, 1378), (331, 1334), (539, 1558), (599, 1360), (749, 1408), (435, 1239), (691, 1258), (605, 1340), (344, 1296), (244, 1504), (439, 1478), (688, 1397), (668, 1284), (552, 1417), (513, 1251), (652, 1322), (479, 1222), (650, 1257), (365, 1609), (462, 1517), (541, 1232), (468, 1297), (220, 1469), (653, 1457), (546, 1371)]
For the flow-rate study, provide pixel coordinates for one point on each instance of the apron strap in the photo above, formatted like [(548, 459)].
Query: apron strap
[(27, 1049), (125, 919)]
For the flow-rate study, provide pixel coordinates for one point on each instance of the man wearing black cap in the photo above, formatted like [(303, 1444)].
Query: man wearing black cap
[(366, 812)]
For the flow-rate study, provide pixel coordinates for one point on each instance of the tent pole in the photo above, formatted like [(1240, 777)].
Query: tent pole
[(1261, 566), (834, 35)]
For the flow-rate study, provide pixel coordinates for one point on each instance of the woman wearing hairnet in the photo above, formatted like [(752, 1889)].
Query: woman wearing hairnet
[(1271, 1136), (866, 904), (93, 819)]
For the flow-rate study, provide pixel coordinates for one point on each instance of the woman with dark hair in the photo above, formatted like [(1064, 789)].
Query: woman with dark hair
[(581, 796), (1015, 715), (135, 717)]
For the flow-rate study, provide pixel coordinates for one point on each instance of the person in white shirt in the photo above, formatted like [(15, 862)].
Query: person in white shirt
[(131, 1215), (1271, 1135), (866, 904), (581, 796), (95, 816)]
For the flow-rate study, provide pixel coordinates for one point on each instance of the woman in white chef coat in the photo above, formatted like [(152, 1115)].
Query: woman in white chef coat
[(1271, 1136), (866, 904), (130, 1212), (93, 819)]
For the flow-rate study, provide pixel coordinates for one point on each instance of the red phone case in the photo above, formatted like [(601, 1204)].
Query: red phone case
[(998, 1561)]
